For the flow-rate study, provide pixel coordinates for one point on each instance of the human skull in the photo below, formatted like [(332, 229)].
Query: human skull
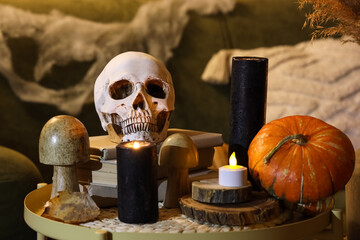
[(134, 97)]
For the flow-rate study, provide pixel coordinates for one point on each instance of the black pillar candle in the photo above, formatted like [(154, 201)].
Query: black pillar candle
[(247, 104), (137, 185)]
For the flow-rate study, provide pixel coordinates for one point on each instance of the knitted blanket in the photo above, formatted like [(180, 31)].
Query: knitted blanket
[(319, 78)]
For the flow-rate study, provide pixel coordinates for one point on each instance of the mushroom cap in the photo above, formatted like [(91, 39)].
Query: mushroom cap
[(178, 151), (64, 140)]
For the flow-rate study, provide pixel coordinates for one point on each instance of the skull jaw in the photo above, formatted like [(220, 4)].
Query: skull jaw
[(117, 136), (138, 136), (114, 137)]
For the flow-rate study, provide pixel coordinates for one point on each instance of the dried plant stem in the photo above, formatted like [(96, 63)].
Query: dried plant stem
[(342, 15)]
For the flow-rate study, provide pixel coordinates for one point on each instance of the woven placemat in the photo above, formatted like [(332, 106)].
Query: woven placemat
[(171, 221)]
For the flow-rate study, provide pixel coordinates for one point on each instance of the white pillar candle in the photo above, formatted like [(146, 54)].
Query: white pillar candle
[(233, 175)]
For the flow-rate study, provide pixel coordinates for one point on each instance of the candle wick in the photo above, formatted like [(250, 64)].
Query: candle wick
[(136, 145)]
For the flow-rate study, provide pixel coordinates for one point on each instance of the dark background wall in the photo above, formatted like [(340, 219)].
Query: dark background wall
[(199, 105)]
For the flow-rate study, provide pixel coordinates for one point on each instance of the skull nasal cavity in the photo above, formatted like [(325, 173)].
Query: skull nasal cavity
[(139, 102)]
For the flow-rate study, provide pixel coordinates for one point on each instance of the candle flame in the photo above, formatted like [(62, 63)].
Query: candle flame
[(136, 145), (232, 160)]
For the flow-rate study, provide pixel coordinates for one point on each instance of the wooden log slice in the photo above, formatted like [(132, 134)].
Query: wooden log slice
[(209, 191), (261, 208)]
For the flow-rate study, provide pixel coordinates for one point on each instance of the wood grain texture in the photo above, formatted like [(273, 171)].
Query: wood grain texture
[(260, 209), (209, 191)]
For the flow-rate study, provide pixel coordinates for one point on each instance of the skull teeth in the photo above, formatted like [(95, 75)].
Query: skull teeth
[(131, 121), (136, 127), (142, 121)]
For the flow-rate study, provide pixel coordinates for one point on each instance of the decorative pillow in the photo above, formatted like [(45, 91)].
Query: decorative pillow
[(18, 176)]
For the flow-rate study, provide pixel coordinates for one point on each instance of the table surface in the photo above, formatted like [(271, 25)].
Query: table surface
[(34, 207)]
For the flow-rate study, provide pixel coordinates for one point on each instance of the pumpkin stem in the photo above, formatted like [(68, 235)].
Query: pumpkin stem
[(297, 138)]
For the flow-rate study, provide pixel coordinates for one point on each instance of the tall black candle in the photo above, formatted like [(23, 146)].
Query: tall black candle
[(137, 185), (247, 104)]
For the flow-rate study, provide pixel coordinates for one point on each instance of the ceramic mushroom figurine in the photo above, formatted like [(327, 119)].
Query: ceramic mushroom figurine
[(63, 142), (178, 153), (134, 97)]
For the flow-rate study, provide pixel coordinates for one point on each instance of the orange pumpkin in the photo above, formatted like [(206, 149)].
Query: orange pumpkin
[(301, 159), (313, 209)]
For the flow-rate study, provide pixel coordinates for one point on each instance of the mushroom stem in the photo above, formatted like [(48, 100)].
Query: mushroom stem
[(177, 186), (179, 153), (64, 178)]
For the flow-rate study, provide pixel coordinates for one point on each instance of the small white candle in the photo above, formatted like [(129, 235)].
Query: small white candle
[(233, 175)]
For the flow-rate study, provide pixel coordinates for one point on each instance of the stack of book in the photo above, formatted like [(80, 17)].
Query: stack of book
[(100, 173)]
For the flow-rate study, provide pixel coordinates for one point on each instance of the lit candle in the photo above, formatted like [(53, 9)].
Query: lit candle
[(233, 175), (137, 184)]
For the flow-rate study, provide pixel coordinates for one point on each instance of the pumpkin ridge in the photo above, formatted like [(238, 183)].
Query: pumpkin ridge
[(291, 153), (256, 167), (324, 163), (323, 137), (302, 184), (312, 177), (317, 125), (318, 129), (334, 145), (301, 124), (319, 145), (334, 179), (271, 189), (280, 125)]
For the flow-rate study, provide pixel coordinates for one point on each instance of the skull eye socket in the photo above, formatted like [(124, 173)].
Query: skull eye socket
[(120, 89), (155, 88)]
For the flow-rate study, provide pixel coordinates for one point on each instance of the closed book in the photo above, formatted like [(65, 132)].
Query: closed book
[(103, 192), (108, 166), (84, 169), (102, 147), (104, 178), (201, 139), (106, 149)]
